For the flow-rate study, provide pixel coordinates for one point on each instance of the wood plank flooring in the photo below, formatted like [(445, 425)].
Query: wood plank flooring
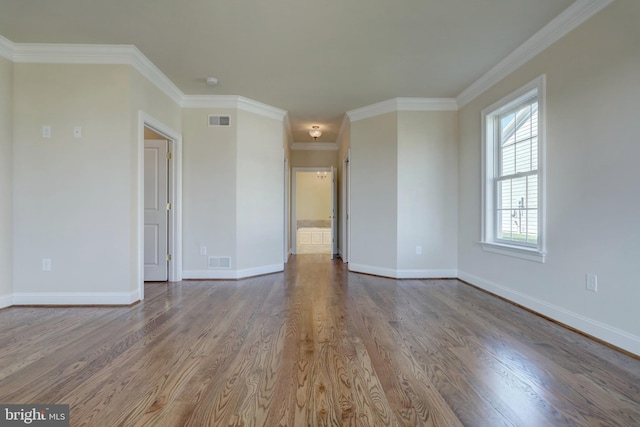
[(314, 346)]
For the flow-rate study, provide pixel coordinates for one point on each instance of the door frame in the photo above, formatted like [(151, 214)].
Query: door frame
[(294, 201), (345, 218), (174, 272)]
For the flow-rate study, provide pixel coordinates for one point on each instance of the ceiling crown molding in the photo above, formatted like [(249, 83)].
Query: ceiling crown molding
[(94, 54), (569, 19), (233, 102), (403, 104), (7, 48)]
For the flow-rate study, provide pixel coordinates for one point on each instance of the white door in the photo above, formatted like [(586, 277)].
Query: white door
[(334, 213), (155, 210)]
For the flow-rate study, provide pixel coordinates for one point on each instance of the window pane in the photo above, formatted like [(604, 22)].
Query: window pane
[(508, 160), (532, 226), (523, 156), (532, 192), (517, 209), (507, 128)]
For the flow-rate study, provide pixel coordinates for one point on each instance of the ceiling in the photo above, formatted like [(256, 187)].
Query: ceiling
[(314, 59)]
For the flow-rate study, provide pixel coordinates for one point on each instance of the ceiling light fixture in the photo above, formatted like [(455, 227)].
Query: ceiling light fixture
[(212, 81), (315, 132)]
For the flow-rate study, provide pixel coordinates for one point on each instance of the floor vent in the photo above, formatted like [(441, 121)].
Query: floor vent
[(219, 121), (219, 262)]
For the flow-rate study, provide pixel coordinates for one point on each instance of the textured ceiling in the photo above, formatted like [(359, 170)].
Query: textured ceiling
[(314, 59)]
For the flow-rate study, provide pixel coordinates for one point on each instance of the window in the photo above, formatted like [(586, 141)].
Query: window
[(513, 191)]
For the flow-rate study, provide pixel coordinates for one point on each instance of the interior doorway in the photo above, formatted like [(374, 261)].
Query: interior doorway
[(313, 228), (150, 127), (157, 206)]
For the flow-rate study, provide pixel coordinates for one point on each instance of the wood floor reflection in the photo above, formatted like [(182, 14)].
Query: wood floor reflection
[(313, 346)]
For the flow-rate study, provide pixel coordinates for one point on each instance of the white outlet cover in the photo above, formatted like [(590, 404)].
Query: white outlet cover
[(77, 132), (46, 131)]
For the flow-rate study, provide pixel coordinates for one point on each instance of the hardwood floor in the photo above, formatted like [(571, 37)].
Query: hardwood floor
[(314, 346)]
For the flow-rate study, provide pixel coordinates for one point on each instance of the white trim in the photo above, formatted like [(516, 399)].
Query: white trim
[(175, 226), (46, 53), (261, 109), (515, 251), (6, 300), (315, 146), (535, 87), (7, 48), (75, 298), (232, 274), (403, 274), (233, 102), (568, 20), (426, 274), (403, 104), (609, 334)]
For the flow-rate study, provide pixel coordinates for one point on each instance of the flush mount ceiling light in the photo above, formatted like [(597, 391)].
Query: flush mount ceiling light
[(212, 81), (315, 131)]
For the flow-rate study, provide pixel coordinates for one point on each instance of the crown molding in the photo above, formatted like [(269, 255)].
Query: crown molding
[(314, 146), (259, 108), (403, 104), (233, 102), (7, 48), (44, 53), (569, 19)]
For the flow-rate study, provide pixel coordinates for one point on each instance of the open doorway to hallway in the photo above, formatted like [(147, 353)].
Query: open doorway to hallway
[(313, 209)]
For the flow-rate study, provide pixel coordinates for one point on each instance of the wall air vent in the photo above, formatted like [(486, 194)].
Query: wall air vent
[(217, 262), (219, 121)]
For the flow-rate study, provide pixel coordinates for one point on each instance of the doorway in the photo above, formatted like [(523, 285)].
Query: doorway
[(173, 253), (313, 225), (157, 206)]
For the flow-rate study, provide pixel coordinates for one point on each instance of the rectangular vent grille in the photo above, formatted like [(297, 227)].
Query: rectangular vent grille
[(219, 121), (219, 262)]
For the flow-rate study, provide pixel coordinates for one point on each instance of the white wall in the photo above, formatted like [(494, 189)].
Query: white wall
[(209, 188), (427, 193), (313, 196), (374, 183), (72, 196), (259, 194), (6, 181), (314, 158), (593, 196)]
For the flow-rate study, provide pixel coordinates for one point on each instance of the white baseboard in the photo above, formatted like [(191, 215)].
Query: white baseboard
[(402, 274), (604, 332), (232, 274), (75, 298), (6, 300)]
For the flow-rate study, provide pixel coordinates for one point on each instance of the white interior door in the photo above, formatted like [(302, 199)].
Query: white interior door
[(334, 213), (155, 209)]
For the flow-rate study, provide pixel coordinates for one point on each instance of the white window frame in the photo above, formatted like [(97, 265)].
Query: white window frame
[(489, 241)]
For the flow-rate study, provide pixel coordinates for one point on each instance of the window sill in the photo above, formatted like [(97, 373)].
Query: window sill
[(514, 251)]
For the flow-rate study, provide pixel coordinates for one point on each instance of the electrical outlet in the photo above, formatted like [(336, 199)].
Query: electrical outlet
[(592, 282), (203, 250), (77, 132), (418, 250), (46, 264), (46, 131)]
